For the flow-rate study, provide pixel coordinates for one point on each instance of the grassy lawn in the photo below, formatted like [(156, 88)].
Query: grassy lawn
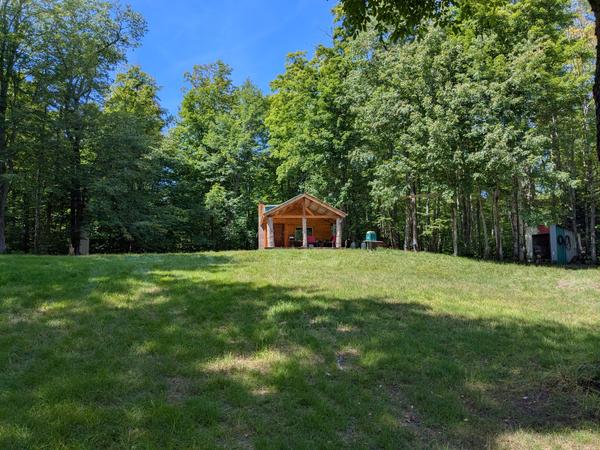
[(302, 349)]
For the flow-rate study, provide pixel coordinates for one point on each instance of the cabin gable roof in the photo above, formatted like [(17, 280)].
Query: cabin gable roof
[(314, 206)]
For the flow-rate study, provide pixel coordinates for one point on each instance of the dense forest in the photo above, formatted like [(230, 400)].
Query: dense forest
[(453, 140)]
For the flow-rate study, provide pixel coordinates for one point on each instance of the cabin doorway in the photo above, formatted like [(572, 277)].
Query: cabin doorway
[(278, 230), (541, 247)]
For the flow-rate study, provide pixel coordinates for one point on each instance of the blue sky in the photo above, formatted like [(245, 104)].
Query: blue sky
[(252, 36)]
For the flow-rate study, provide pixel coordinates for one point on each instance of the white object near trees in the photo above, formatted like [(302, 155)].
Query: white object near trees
[(338, 233)]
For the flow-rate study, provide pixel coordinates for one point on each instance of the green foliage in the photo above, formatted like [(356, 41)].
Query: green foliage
[(451, 134), (217, 159), (124, 187)]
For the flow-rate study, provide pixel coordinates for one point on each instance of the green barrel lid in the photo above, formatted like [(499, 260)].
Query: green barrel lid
[(371, 236)]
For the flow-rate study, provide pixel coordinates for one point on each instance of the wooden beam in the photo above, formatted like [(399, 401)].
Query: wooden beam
[(309, 217), (308, 210)]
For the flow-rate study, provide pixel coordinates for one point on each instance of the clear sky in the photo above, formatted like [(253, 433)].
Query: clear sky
[(252, 36)]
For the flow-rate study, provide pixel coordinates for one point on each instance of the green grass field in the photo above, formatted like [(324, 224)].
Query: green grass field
[(297, 349)]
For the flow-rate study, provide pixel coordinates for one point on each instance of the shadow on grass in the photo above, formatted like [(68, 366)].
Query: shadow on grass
[(168, 352)]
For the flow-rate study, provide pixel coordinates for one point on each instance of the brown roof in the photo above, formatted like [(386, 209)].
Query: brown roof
[(320, 205)]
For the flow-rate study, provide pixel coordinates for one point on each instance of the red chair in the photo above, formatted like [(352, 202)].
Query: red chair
[(311, 240)]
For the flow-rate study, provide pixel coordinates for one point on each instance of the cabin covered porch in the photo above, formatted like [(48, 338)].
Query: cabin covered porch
[(303, 221)]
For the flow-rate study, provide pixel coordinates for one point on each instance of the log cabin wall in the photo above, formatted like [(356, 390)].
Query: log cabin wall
[(322, 230)]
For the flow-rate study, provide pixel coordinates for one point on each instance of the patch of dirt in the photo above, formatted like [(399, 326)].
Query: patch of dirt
[(342, 328), (408, 417), (178, 390), (257, 363), (570, 284), (542, 406), (346, 360), (150, 290), (262, 391)]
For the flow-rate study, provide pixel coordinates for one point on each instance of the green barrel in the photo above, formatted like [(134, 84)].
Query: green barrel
[(371, 236)]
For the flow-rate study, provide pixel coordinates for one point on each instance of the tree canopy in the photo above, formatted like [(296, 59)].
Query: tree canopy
[(447, 126)]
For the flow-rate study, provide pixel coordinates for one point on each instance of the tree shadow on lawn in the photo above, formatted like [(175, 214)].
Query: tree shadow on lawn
[(164, 353)]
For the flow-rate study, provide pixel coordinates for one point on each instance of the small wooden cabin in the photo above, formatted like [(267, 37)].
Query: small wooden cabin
[(302, 221)]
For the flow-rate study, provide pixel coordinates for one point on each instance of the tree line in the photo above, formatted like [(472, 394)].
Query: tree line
[(454, 140)]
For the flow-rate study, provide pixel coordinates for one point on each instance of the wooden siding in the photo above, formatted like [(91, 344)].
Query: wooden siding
[(289, 216), (321, 229)]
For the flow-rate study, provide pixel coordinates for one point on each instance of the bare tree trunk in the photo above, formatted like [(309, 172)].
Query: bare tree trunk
[(455, 227), (407, 219), (522, 244), (519, 217), (497, 228), (3, 201), (26, 223), (36, 214), (573, 198), (595, 4), (467, 225), (478, 237), (436, 237), (590, 163), (514, 222), (427, 244), (486, 242), (413, 213), (77, 199), (12, 15), (593, 256)]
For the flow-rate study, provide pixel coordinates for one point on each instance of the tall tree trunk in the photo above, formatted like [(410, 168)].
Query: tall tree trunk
[(522, 241), (11, 20), (77, 199), (595, 4), (427, 244), (593, 256), (413, 217), (436, 237), (486, 241), (407, 227), (467, 225), (26, 222), (573, 198), (455, 226), (590, 168), (514, 222), (36, 212), (475, 219), (3, 201), (519, 217), (497, 228)]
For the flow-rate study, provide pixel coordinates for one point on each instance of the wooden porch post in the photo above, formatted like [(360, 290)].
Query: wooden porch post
[(270, 235), (338, 233), (304, 233), (304, 230)]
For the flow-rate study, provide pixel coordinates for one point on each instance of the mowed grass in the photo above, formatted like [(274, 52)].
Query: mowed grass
[(297, 349)]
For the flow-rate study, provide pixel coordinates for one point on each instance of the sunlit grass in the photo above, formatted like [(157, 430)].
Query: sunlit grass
[(302, 349)]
